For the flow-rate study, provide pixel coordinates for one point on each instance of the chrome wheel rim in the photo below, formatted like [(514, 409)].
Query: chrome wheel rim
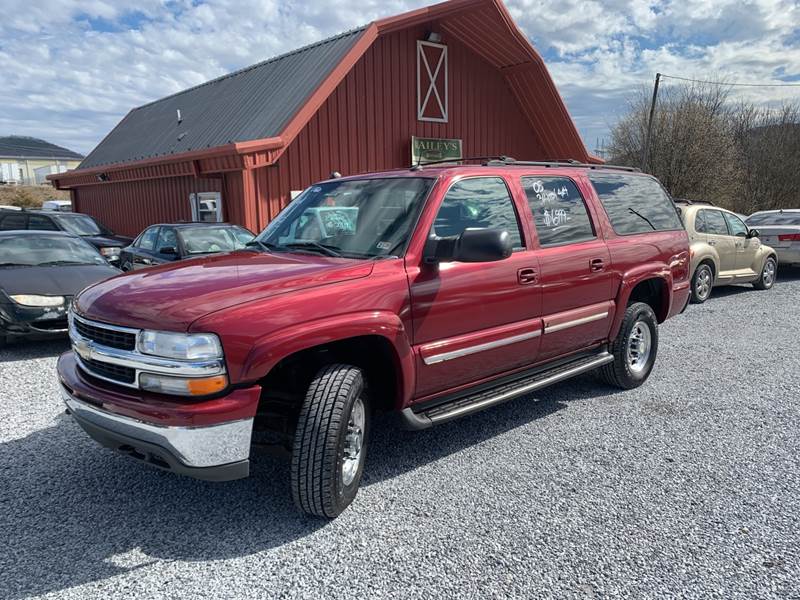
[(703, 283), (353, 442), (768, 275), (640, 343)]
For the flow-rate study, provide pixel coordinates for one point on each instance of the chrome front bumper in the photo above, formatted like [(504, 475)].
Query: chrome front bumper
[(215, 452)]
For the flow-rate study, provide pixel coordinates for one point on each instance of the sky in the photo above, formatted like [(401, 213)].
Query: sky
[(73, 68)]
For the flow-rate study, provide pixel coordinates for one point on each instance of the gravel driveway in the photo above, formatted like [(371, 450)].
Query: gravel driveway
[(687, 487)]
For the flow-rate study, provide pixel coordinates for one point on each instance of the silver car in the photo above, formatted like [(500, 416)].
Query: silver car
[(781, 230)]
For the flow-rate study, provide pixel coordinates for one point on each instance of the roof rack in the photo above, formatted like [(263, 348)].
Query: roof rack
[(496, 161), (687, 201)]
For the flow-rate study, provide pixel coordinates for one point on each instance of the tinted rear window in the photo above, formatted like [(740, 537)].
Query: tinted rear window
[(774, 219), (635, 203)]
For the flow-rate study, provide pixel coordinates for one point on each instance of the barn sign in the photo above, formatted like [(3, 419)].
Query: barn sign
[(425, 150), (431, 82)]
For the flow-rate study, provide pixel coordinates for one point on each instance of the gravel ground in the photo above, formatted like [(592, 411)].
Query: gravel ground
[(687, 487)]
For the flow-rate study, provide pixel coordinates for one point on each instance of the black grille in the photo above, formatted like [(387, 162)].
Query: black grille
[(106, 337), (109, 371), (50, 325)]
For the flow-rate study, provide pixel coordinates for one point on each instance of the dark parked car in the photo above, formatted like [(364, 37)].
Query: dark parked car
[(90, 229), (40, 272), (163, 243)]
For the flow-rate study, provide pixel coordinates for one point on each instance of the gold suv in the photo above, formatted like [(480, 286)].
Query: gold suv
[(724, 250)]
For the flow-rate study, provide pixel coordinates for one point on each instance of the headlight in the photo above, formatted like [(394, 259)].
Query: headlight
[(40, 301), (110, 252), (183, 346), (182, 386)]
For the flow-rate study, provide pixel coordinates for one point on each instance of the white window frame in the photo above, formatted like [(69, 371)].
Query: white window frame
[(196, 199), (431, 93)]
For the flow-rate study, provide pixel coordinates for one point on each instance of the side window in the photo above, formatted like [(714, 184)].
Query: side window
[(558, 210), (736, 225), (482, 202), (700, 222), (715, 222), (41, 223), (167, 239), (12, 222), (147, 241), (635, 203)]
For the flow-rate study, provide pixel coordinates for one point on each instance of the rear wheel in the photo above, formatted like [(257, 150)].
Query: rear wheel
[(634, 348), (768, 274), (702, 282), (330, 441)]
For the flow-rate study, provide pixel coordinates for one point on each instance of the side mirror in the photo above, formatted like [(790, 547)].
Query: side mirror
[(473, 245), (753, 233), (169, 250)]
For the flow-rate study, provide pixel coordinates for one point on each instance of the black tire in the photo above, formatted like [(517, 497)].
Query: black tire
[(702, 283), (621, 373), (321, 439), (765, 281)]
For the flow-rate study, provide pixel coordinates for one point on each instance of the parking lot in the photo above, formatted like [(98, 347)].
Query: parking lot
[(687, 487)]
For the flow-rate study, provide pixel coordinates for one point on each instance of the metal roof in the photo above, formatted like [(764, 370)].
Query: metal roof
[(251, 104), (18, 146)]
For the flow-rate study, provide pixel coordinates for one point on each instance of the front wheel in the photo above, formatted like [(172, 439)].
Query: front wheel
[(767, 278), (330, 441), (634, 349)]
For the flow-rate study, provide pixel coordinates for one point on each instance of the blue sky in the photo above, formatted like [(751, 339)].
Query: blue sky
[(73, 68)]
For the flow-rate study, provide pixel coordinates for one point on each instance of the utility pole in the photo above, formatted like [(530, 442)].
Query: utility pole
[(646, 148)]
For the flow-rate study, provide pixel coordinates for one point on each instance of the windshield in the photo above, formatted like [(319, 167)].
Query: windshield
[(83, 225), (38, 250), (208, 240), (357, 218), (774, 219)]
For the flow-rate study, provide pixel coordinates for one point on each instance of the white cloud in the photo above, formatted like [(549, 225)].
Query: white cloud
[(73, 68)]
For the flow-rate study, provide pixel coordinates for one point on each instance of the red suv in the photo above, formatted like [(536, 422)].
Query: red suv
[(433, 292)]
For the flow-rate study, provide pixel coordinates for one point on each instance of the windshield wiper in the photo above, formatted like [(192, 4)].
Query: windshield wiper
[(260, 244), (53, 263), (309, 245), (641, 216)]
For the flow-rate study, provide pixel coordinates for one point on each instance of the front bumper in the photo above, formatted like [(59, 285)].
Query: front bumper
[(216, 453), (18, 320), (205, 440)]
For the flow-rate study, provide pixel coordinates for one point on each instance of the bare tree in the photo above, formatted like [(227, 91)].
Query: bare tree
[(768, 141), (704, 148)]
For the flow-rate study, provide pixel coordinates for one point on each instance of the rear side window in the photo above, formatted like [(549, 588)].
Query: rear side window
[(479, 202), (700, 222), (41, 223), (558, 211), (715, 222), (635, 203), (12, 222)]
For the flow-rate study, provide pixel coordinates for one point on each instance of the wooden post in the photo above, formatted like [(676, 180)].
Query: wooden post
[(646, 148)]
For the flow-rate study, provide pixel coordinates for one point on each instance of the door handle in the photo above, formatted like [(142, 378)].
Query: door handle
[(597, 264), (527, 275), (712, 243)]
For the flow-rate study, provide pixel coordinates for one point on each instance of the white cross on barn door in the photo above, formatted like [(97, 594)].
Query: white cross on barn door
[(431, 82)]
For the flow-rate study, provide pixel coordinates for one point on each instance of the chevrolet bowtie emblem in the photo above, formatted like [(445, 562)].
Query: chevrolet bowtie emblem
[(83, 348)]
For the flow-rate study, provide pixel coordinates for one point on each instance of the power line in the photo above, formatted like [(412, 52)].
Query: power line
[(733, 84)]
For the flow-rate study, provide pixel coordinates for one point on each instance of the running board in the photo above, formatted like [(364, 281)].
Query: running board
[(467, 405)]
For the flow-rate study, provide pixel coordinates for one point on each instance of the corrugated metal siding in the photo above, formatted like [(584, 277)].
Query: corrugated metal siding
[(128, 207), (367, 123), (250, 104)]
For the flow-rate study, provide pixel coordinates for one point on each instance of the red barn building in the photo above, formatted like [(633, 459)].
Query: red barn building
[(460, 75)]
